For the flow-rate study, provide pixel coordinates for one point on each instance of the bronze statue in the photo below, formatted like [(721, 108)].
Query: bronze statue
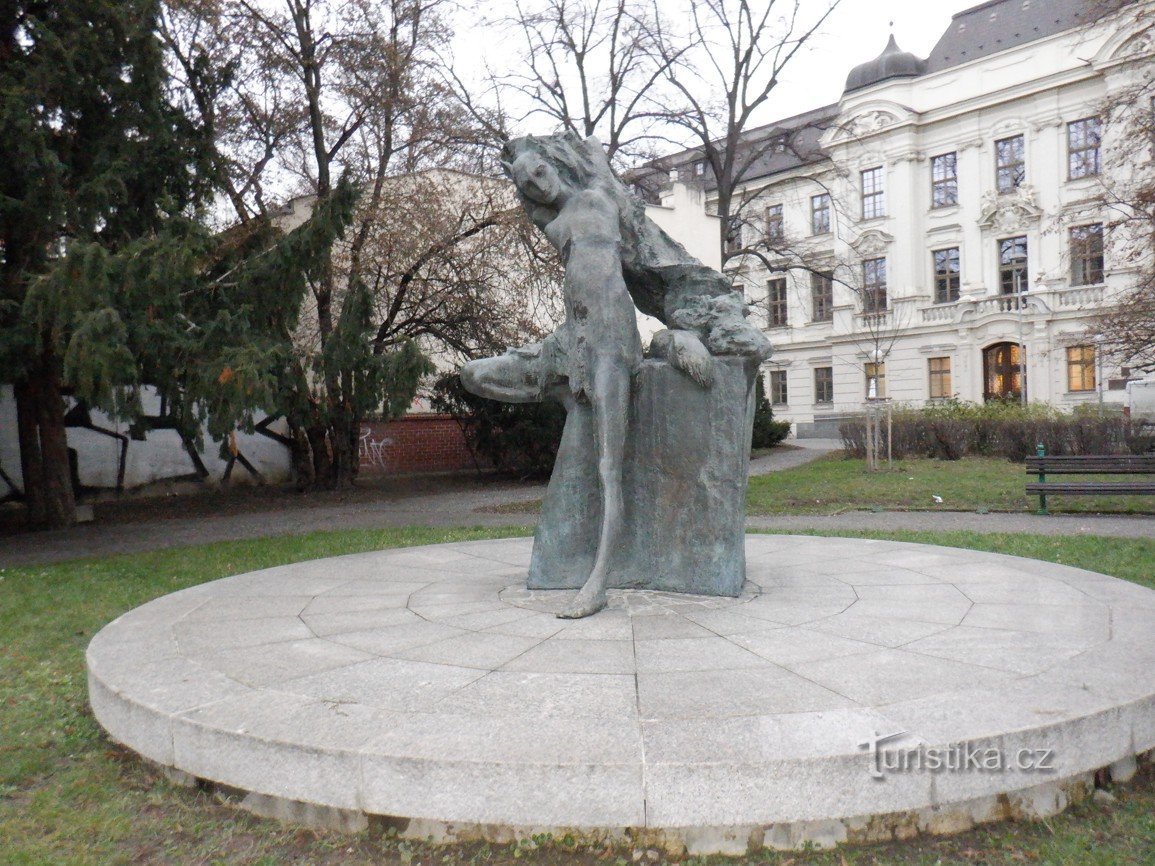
[(614, 258)]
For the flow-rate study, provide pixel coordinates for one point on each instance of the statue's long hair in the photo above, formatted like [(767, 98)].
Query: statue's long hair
[(660, 275)]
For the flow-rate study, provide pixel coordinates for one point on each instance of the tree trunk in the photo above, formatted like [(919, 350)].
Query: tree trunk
[(322, 462), (345, 455), (44, 448), (299, 454)]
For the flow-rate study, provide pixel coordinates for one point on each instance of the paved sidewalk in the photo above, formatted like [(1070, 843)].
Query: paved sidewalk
[(466, 501), (801, 451), (1114, 526)]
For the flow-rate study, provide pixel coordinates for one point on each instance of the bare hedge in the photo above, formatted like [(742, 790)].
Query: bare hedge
[(953, 429)]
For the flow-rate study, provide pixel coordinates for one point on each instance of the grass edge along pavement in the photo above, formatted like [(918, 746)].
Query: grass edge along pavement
[(69, 796), (833, 483)]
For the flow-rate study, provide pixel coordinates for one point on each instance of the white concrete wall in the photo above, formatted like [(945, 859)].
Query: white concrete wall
[(159, 457)]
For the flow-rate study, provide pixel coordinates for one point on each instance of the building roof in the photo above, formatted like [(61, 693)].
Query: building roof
[(1001, 24), (893, 62)]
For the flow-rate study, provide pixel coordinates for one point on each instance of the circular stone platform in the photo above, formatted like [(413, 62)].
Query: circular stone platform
[(428, 684)]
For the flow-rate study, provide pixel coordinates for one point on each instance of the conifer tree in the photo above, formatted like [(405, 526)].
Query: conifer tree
[(95, 158)]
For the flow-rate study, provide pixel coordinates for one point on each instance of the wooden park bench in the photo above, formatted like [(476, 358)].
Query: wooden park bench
[(1123, 464)]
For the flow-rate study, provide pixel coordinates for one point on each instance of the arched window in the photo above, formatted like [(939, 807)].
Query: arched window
[(1003, 371)]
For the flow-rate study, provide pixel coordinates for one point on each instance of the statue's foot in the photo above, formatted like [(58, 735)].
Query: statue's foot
[(588, 602)]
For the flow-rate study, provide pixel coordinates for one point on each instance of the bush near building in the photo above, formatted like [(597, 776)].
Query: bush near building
[(954, 429)]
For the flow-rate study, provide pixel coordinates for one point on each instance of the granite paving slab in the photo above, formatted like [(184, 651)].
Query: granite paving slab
[(430, 686)]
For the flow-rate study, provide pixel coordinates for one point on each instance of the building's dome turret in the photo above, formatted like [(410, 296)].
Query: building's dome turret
[(891, 63)]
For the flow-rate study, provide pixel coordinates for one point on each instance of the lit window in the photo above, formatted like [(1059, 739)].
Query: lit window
[(875, 380), (873, 201), (823, 384), (778, 393), (944, 180), (940, 387), (822, 297), (776, 301), (1083, 148), (946, 275), (1087, 255), (1081, 368), (700, 168), (820, 214), (775, 227), (1010, 164), (1013, 266), (874, 285)]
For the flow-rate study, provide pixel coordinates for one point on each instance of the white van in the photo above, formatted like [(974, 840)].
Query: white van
[(1141, 399)]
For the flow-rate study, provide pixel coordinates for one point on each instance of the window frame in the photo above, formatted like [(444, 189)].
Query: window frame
[(876, 371), (1083, 367), (823, 385), (947, 182), (820, 204), (775, 216), (822, 301), (947, 283), (1077, 162), (1086, 255), (777, 303), (779, 388), (1007, 267), (874, 299), (873, 193), (940, 377), (1014, 170)]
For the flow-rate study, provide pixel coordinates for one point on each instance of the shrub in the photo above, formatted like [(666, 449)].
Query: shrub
[(767, 431), (952, 429), (518, 438)]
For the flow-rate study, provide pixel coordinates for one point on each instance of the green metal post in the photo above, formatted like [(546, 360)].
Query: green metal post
[(1041, 451)]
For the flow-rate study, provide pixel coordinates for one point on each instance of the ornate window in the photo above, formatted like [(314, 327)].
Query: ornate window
[(944, 180), (1081, 368), (775, 227), (1083, 138), (873, 198), (820, 214), (946, 275), (1087, 255), (939, 371), (1010, 163), (776, 302), (822, 297), (778, 392), (823, 384), (874, 285), (1013, 266)]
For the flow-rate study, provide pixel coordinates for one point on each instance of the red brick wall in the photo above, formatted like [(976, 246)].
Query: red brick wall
[(414, 443)]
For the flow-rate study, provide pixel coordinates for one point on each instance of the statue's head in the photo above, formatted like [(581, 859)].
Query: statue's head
[(545, 167)]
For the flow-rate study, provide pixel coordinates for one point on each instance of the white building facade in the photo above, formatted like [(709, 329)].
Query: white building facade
[(943, 239)]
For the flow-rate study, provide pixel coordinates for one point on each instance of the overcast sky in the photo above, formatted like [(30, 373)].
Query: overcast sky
[(855, 33)]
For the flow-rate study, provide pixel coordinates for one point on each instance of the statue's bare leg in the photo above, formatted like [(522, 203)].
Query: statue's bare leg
[(610, 396)]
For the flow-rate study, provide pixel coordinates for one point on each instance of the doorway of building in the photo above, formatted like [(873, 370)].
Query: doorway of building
[(1003, 371)]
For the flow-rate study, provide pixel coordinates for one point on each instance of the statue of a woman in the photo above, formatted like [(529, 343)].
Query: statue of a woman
[(614, 258)]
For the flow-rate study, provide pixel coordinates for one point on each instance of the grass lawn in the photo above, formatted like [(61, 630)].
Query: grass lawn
[(833, 484), (67, 796)]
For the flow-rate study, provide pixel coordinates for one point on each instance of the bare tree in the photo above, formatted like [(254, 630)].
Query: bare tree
[(589, 66), (1125, 330), (464, 272), (720, 75)]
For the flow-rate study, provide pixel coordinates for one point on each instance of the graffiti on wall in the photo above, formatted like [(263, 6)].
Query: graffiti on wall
[(372, 447)]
